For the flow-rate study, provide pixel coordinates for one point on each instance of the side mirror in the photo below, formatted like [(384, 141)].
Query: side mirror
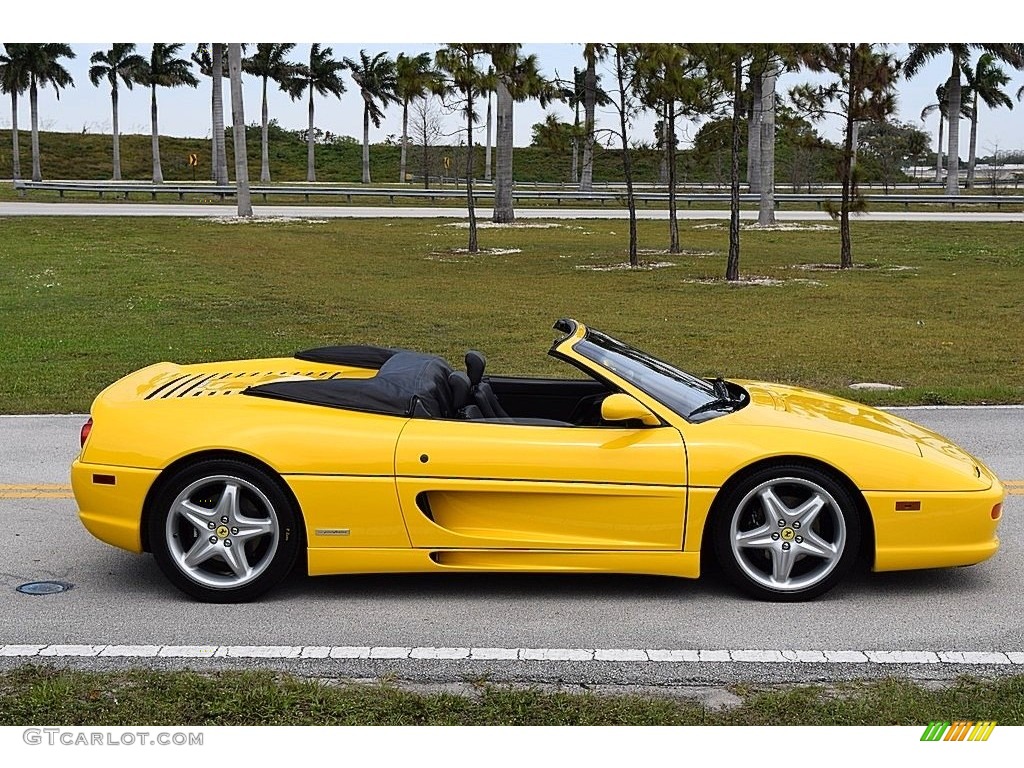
[(623, 407)]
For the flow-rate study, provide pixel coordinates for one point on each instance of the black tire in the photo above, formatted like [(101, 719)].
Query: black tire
[(800, 558), (224, 531)]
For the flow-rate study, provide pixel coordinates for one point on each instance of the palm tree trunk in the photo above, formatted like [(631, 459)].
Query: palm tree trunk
[(953, 110), (754, 134), (845, 247), (215, 147), (766, 147), (627, 164), (670, 138), (732, 266), (15, 147), (589, 107), (238, 130), (158, 174), (217, 55), (405, 141), (33, 100), (310, 151), (487, 151), (470, 204), (265, 139), (938, 153), (503, 209), (366, 144), (576, 144), (974, 142), (117, 136)]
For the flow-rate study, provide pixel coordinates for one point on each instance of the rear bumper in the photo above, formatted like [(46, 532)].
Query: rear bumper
[(950, 529), (112, 512)]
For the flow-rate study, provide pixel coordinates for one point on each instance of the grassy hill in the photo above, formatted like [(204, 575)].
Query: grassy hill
[(88, 156)]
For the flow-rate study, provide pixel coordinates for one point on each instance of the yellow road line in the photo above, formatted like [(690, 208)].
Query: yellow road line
[(34, 487), (4, 495), (35, 491)]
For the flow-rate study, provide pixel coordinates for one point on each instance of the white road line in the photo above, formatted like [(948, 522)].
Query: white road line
[(603, 655)]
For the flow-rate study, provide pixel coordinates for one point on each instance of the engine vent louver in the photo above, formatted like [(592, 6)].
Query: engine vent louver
[(210, 383)]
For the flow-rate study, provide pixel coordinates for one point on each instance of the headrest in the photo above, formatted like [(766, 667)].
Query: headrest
[(475, 364)]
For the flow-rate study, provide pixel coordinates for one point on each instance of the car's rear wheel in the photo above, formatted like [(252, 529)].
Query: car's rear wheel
[(224, 531), (787, 533)]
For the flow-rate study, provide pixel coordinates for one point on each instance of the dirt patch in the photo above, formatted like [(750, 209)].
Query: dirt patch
[(753, 280), (265, 220), (788, 226), (463, 254), (644, 266)]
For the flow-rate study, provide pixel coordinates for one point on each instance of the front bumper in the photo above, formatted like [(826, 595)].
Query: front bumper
[(949, 529), (112, 512)]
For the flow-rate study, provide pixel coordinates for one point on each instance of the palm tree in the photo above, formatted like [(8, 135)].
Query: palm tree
[(986, 81), (1011, 54), (592, 53), (238, 129), (940, 105), (44, 68), (14, 80), (574, 96), (120, 62), (517, 78), (270, 62), (164, 69), (376, 79), (209, 57), (415, 78), (323, 76)]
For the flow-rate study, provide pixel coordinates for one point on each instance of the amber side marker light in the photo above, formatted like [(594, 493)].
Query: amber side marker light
[(104, 480), (86, 429), (908, 506), (997, 511)]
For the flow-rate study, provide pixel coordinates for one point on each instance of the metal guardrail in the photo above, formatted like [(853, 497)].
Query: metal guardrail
[(558, 196)]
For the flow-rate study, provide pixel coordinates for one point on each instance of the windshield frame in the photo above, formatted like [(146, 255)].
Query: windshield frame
[(681, 392)]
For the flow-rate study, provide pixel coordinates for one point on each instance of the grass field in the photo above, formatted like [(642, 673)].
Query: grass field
[(46, 696), (935, 308)]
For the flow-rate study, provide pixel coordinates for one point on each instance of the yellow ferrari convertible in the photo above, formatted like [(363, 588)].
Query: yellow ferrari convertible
[(358, 459)]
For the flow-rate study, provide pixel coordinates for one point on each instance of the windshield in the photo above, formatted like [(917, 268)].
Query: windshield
[(676, 389)]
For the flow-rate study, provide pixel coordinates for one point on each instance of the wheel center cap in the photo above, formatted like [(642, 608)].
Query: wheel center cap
[(222, 532), (787, 534)]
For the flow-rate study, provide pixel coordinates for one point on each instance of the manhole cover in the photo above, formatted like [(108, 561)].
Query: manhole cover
[(44, 587)]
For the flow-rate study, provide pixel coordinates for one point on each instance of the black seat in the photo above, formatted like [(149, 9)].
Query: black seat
[(462, 397), (481, 390)]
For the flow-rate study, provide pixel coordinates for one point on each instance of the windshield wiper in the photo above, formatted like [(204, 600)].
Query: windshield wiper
[(724, 401), (718, 404)]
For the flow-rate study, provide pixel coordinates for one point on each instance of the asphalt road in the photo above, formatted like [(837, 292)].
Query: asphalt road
[(415, 212), (121, 599)]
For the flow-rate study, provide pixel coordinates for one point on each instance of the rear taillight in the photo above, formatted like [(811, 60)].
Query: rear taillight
[(86, 429)]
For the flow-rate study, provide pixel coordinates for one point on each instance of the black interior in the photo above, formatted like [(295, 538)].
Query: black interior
[(577, 401), (414, 384)]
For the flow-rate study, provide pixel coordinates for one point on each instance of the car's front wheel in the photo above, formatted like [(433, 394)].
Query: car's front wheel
[(787, 533), (224, 531)]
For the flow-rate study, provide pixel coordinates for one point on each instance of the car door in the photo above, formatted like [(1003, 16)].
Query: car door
[(473, 484)]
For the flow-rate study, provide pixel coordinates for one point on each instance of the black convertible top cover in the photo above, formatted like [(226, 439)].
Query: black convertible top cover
[(407, 384), (359, 355)]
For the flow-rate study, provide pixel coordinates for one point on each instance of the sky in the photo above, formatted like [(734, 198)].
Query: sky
[(185, 111)]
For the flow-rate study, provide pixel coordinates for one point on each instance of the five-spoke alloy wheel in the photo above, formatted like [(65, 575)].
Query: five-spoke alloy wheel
[(223, 531), (787, 533)]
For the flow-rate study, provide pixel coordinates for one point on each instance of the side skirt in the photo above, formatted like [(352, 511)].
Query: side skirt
[(323, 561)]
